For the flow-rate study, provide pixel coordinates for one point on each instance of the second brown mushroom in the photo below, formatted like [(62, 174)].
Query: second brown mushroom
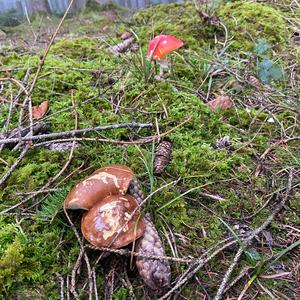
[(110, 223)]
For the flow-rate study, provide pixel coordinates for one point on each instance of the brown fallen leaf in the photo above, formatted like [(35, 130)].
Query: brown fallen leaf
[(40, 110), (221, 102), (126, 35)]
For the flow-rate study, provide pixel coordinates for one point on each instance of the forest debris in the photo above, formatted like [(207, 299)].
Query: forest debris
[(39, 111), (221, 102), (155, 272), (203, 96), (134, 47), (126, 35), (40, 127), (121, 47), (162, 156), (209, 19), (74, 132), (254, 82), (222, 143), (268, 236), (61, 147)]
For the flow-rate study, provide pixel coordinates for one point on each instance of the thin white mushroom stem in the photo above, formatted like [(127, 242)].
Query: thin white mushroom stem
[(163, 64)]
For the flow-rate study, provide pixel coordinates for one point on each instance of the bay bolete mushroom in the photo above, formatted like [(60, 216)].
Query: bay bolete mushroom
[(103, 222), (160, 46), (106, 181)]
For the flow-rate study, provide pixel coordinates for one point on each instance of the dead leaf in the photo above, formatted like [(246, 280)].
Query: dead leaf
[(221, 102), (40, 110), (126, 35)]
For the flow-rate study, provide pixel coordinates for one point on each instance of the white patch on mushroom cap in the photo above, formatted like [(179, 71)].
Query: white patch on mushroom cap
[(112, 217), (103, 176)]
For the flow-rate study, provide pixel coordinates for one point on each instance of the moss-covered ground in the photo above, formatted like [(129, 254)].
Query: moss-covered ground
[(37, 245)]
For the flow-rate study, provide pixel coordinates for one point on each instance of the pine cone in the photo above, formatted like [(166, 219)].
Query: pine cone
[(135, 191), (254, 82), (156, 273), (162, 156)]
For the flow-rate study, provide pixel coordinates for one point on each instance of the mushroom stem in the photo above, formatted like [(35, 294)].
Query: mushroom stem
[(163, 64)]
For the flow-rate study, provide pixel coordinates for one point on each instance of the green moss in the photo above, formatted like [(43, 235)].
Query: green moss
[(82, 70), (10, 265), (79, 48), (249, 21), (163, 19)]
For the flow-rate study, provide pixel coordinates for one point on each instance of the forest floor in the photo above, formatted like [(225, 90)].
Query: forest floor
[(227, 206)]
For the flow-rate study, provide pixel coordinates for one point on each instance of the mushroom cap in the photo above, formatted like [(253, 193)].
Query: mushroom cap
[(162, 45), (100, 225), (110, 180)]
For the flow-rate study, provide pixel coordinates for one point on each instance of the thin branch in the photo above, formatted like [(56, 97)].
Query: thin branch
[(145, 140), (75, 132), (256, 232), (200, 262), (128, 253)]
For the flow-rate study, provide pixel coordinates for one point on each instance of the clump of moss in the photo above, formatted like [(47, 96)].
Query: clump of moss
[(78, 48), (10, 264), (249, 21), (180, 20)]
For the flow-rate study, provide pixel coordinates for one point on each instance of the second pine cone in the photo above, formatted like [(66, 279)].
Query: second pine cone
[(162, 156)]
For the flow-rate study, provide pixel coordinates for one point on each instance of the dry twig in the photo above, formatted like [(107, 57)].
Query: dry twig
[(75, 132), (256, 232)]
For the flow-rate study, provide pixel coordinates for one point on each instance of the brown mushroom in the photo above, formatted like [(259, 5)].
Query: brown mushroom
[(110, 180), (102, 223)]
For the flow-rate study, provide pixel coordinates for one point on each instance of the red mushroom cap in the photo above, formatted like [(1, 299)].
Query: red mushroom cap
[(162, 45)]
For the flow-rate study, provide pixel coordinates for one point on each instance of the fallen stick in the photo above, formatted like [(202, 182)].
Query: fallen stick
[(121, 47), (145, 140), (75, 132), (256, 232), (128, 253), (18, 133)]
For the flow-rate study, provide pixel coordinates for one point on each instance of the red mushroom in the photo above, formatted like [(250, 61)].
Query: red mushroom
[(160, 46)]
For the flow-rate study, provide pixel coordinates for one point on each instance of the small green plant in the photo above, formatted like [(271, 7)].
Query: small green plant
[(51, 207), (140, 65), (266, 68)]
